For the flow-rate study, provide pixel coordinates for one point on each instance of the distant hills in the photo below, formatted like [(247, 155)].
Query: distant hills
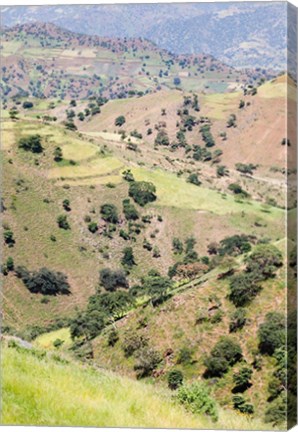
[(249, 34)]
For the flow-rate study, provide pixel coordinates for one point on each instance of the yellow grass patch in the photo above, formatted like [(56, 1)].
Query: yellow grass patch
[(46, 340), (220, 104), (96, 167)]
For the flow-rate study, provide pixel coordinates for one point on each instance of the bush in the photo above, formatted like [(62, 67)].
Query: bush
[(177, 245), (162, 138), (156, 286), (31, 143), (87, 325), (272, 333), (27, 105), (128, 257), (175, 379), (142, 192), (93, 227), (113, 337), (66, 205), (225, 353), (58, 155), (10, 264), (44, 281), (264, 261), (185, 355), (133, 342), (147, 360), (238, 320), (237, 190), (193, 178), (113, 279), (243, 289), (119, 121), (241, 405), (196, 398), (109, 213), (110, 304), (63, 222), (242, 379), (8, 237), (129, 210), (276, 413), (234, 245)]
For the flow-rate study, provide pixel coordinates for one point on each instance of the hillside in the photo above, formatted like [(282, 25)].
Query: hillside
[(246, 35), (43, 60), (144, 236)]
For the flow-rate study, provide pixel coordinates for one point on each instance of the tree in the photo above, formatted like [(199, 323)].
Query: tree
[(162, 138), (177, 81), (129, 210), (272, 333), (27, 104), (13, 114), (87, 325), (222, 171), (63, 222), (112, 279), (31, 143), (238, 320), (234, 245), (8, 237), (196, 398), (66, 205), (231, 121), (133, 342), (142, 192), (177, 245), (241, 405), (241, 104), (10, 264), (193, 178), (175, 379), (58, 155), (243, 289), (109, 213), (119, 121), (156, 286), (44, 281), (225, 353), (264, 261), (237, 190), (93, 227), (111, 304), (128, 257), (242, 379)]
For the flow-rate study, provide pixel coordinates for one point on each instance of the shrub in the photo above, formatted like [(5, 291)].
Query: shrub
[(111, 304), (113, 279), (133, 342), (113, 337), (238, 320), (142, 192), (10, 264), (87, 325), (196, 398), (185, 355), (241, 405), (31, 143), (58, 343), (8, 237), (276, 413), (264, 261), (93, 227), (44, 281), (162, 138), (129, 210), (193, 178), (66, 205), (63, 222), (128, 257), (177, 245), (27, 105), (109, 213), (243, 289), (237, 190), (242, 379), (119, 121), (272, 333), (156, 286), (147, 360), (175, 379), (58, 155), (225, 353)]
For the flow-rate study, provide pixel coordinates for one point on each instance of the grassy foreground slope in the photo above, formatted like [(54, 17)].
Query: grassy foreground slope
[(90, 397)]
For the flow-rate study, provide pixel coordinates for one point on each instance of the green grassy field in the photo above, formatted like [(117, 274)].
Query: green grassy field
[(35, 385)]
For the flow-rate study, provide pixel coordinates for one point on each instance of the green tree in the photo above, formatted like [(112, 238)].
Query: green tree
[(272, 333), (243, 289), (129, 210), (242, 379), (128, 257), (193, 178), (147, 361), (63, 222), (109, 213), (93, 227), (31, 143), (264, 261), (112, 279), (58, 155), (10, 264), (238, 320), (162, 138), (9, 237), (142, 192), (175, 379), (177, 246), (119, 121), (44, 281), (225, 353)]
